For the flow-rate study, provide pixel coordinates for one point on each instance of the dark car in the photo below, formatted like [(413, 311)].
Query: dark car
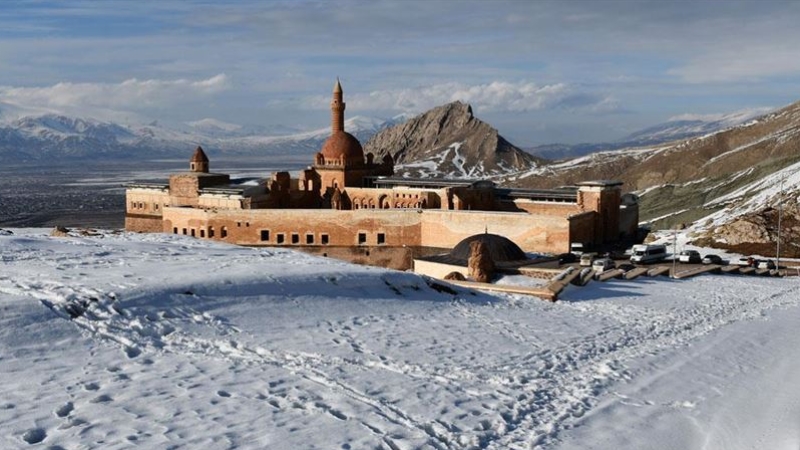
[(712, 259), (626, 267), (689, 256), (567, 258)]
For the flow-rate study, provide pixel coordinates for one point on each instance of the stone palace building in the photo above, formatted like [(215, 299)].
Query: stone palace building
[(349, 205)]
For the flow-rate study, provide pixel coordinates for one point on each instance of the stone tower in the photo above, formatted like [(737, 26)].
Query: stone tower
[(602, 197), (337, 108), (199, 161)]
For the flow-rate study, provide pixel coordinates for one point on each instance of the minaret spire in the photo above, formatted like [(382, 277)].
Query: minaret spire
[(337, 108)]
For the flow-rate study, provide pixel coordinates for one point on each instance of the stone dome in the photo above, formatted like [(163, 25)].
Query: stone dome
[(500, 248), (343, 145)]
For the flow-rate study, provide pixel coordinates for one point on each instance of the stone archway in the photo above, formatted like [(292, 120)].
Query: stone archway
[(383, 202)]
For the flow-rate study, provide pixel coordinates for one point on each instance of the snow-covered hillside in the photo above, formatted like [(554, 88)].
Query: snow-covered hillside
[(161, 341)]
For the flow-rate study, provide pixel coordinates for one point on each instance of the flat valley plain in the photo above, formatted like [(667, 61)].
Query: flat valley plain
[(92, 194)]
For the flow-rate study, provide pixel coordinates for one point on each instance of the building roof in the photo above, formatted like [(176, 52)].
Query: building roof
[(199, 155), (551, 195), (601, 183), (343, 145), (430, 183), (501, 248)]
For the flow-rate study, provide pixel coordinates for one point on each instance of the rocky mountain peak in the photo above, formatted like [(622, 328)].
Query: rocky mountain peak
[(449, 141)]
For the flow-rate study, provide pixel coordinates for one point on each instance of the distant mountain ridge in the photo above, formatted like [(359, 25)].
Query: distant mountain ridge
[(47, 136), (682, 127)]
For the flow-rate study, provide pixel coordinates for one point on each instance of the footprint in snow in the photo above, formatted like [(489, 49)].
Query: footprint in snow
[(64, 410), (34, 436), (102, 399), (132, 352)]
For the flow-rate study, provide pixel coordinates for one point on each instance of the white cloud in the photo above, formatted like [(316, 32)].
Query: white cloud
[(132, 94), (497, 96)]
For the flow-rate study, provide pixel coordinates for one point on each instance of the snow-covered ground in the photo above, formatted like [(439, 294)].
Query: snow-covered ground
[(161, 341)]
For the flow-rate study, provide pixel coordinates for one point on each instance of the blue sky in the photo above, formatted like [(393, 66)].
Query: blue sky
[(541, 72)]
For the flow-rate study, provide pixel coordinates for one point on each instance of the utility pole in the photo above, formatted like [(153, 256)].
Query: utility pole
[(780, 214), (674, 250)]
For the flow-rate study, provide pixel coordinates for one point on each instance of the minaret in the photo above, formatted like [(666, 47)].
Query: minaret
[(337, 109)]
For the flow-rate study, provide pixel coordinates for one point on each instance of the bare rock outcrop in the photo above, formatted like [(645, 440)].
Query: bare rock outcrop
[(60, 231), (757, 232), (480, 264), (455, 276), (448, 141)]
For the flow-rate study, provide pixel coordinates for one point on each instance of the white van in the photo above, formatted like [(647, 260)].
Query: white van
[(648, 253)]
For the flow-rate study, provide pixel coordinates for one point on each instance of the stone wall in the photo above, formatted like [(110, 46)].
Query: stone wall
[(363, 228), (581, 228), (143, 223)]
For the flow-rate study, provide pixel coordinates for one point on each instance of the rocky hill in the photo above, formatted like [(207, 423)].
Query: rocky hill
[(450, 142)]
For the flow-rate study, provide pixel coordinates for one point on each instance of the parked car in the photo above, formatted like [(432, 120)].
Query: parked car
[(745, 261), (626, 266), (567, 258), (689, 256), (765, 264), (587, 259), (602, 264), (712, 259)]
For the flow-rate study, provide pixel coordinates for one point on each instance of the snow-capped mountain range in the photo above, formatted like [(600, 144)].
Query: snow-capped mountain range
[(47, 135), (684, 126)]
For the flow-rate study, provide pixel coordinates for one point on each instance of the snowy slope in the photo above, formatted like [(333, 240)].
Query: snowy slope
[(162, 341)]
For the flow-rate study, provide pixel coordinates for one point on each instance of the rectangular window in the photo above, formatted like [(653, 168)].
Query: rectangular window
[(184, 231), (202, 233), (175, 230), (381, 238), (324, 239), (279, 238), (247, 224), (192, 230), (211, 232), (264, 235), (309, 239), (362, 238), (239, 224), (224, 232), (295, 238)]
